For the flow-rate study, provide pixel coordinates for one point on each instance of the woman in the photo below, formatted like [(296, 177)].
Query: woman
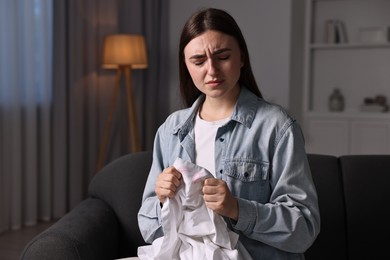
[(262, 186)]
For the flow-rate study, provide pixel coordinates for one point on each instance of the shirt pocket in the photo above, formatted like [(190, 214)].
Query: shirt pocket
[(248, 179)]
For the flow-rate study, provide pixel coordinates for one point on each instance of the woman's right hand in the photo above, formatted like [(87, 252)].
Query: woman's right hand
[(167, 183)]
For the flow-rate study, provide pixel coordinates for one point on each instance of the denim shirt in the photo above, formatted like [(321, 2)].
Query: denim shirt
[(260, 154)]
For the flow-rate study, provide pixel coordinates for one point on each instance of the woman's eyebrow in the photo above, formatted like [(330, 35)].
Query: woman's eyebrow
[(197, 56), (221, 51), (200, 56)]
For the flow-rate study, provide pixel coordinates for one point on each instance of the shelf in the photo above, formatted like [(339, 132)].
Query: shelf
[(314, 1), (327, 46), (349, 115)]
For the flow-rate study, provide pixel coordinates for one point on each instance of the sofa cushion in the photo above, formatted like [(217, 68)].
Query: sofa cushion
[(328, 181), (366, 183), (121, 184)]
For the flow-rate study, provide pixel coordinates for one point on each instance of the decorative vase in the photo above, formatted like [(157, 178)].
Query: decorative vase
[(336, 101)]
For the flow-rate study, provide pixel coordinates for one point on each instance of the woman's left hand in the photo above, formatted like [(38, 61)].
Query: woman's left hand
[(218, 198)]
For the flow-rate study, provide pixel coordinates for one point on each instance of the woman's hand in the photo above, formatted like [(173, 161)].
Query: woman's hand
[(218, 198), (167, 183)]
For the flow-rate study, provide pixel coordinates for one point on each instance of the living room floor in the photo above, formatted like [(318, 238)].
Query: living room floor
[(13, 242)]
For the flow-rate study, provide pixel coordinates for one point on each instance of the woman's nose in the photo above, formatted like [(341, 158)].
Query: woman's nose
[(212, 67)]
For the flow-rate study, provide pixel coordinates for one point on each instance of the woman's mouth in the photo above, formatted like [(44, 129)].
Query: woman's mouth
[(214, 83)]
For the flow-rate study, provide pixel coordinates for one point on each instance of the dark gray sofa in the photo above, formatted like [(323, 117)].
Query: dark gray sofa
[(353, 198)]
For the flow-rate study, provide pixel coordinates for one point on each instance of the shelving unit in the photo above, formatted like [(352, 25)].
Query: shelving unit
[(359, 69)]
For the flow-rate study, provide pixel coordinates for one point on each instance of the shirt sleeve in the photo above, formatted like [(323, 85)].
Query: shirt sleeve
[(149, 215), (290, 221)]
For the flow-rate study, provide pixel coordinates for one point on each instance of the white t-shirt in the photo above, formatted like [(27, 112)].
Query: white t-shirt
[(205, 132)]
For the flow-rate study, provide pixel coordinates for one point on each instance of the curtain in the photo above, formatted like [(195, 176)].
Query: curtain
[(25, 100), (80, 88), (50, 128)]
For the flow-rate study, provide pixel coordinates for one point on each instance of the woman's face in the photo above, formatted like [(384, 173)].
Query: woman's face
[(213, 60)]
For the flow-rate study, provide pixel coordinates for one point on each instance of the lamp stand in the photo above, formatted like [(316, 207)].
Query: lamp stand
[(131, 113), (132, 116)]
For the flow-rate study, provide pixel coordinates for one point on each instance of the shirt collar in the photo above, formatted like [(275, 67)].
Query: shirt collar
[(246, 108), (244, 112)]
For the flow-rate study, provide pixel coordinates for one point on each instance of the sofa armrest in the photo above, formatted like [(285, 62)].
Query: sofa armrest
[(89, 231), (121, 184)]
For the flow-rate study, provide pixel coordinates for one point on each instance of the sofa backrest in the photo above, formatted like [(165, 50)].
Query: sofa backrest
[(121, 184), (351, 189), (366, 181), (331, 242)]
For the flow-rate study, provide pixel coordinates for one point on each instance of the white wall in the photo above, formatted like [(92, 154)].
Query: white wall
[(266, 28)]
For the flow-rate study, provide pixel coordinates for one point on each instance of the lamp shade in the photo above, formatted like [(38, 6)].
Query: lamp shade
[(124, 50)]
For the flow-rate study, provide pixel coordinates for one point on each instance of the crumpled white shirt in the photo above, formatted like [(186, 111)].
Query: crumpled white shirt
[(191, 230)]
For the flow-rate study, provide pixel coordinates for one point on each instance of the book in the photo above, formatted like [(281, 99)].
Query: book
[(372, 108), (341, 31), (329, 31), (335, 31)]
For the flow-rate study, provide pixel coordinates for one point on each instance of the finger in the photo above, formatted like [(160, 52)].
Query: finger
[(210, 198), (173, 171), (177, 174), (209, 190), (214, 186), (169, 180), (212, 182), (167, 193), (170, 186), (163, 193), (171, 175)]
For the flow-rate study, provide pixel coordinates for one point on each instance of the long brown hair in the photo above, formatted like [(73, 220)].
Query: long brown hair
[(217, 20)]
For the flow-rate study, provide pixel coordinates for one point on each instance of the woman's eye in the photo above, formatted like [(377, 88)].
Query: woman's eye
[(224, 57), (198, 62)]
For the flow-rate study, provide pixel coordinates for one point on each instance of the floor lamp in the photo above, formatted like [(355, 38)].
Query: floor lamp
[(123, 52)]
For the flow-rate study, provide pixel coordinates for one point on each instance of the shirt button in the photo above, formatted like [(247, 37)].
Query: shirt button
[(246, 174)]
